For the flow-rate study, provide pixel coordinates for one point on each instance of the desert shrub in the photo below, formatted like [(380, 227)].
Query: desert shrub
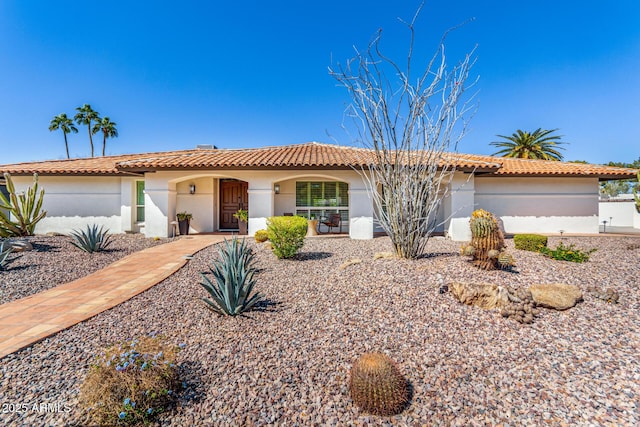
[(261, 236), (286, 234), (530, 242), (94, 239), (567, 253), (231, 292), (131, 382)]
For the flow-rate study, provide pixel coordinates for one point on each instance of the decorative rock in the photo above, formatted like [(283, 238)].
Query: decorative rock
[(485, 296), (557, 296), (609, 296), (384, 255), (21, 245), (520, 306), (349, 262)]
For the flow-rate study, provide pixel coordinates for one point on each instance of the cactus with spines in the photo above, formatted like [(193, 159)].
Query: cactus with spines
[(487, 242), (377, 385)]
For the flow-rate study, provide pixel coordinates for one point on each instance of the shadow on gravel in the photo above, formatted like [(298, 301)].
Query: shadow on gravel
[(193, 389), (267, 305), (43, 247), (438, 255), (310, 256)]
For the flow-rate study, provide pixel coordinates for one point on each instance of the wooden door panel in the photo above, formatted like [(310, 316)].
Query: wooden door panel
[(233, 196)]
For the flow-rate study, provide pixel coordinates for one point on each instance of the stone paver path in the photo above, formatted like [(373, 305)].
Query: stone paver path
[(31, 319)]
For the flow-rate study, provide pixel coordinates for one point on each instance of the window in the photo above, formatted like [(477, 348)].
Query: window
[(139, 201), (319, 199)]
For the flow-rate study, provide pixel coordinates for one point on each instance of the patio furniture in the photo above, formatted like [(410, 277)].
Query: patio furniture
[(331, 222), (312, 227)]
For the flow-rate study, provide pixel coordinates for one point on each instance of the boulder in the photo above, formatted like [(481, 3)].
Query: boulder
[(20, 245), (487, 296), (557, 296)]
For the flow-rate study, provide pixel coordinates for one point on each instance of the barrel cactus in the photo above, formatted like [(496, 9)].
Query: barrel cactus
[(487, 242), (377, 386)]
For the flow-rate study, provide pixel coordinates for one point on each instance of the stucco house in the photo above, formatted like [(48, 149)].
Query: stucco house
[(143, 192)]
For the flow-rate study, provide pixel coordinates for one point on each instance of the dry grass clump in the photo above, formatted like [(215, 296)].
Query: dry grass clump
[(131, 382)]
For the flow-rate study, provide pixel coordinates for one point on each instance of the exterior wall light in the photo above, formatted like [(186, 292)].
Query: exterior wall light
[(276, 188), (192, 188)]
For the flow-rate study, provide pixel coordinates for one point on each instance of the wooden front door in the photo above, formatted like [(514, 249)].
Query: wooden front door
[(233, 196)]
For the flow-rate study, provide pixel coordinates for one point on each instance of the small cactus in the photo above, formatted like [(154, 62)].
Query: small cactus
[(377, 386), (493, 253), (468, 250), (506, 260), (261, 236)]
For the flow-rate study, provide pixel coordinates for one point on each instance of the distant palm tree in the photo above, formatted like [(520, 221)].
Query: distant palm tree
[(530, 145), (84, 116), (65, 124), (108, 129)]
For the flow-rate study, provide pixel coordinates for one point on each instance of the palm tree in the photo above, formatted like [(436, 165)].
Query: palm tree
[(108, 129), (84, 116), (530, 145), (65, 124)]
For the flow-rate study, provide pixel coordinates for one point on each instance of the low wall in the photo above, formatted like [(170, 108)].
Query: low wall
[(619, 214)]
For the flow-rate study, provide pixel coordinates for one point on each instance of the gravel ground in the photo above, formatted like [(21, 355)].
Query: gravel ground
[(289, 365), (54, 261)]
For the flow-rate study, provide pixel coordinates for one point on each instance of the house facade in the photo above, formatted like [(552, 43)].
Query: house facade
[(144, 192)]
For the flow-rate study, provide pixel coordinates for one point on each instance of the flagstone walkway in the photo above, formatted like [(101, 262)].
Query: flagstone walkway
[(31, 319)]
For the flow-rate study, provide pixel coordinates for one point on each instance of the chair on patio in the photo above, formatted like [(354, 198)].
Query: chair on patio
[(331, 222)]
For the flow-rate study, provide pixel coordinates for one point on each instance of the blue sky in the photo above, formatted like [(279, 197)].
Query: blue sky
[(254, 73)]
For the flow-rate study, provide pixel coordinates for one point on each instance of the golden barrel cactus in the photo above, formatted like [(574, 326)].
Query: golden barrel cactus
[(487, 242), (377, 386)]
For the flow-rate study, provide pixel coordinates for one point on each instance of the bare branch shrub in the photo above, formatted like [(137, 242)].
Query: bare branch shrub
[(410, 124)]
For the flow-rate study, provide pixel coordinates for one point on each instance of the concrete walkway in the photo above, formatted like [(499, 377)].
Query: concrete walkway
[(33, 318)]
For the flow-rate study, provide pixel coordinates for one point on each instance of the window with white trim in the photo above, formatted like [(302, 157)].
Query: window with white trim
[(318, 199), (139, 201)]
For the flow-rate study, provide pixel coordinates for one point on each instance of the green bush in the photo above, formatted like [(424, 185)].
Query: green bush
[(261, 236), (530, 242), (286, 234), (233, 285), (130, 383), (567, 253)]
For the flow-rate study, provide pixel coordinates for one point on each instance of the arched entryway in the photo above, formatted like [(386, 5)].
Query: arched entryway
[(233, 197)]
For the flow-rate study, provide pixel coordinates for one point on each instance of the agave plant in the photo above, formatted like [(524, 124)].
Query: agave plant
[(231, 292), (93, 239), (5, 251)]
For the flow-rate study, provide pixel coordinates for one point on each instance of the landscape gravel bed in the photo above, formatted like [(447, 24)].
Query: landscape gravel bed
[(289, 364), (54, 261)]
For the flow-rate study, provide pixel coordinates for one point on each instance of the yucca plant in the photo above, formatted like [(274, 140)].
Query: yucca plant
[(5, 251), (93, 239), (231, 291)]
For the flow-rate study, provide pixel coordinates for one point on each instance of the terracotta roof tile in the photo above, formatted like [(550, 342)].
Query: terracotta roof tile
[(309, 155)]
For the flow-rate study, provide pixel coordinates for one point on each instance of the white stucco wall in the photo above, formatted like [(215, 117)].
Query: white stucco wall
[(540, 205), (619, 214), (168, 193), (458, 206), (74, 202)]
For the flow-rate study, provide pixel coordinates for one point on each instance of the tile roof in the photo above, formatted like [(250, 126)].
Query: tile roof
[(309, 155)]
